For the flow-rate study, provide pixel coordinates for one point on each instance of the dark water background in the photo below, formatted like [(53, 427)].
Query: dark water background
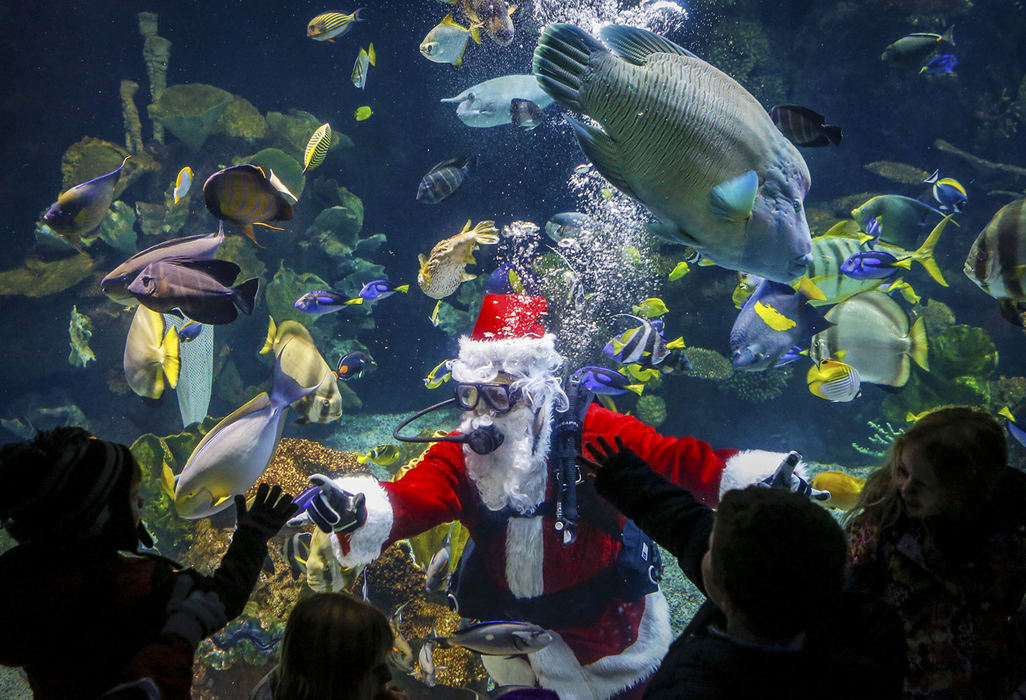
[(62, 63)]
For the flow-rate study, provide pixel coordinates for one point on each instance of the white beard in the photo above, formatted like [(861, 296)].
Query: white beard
[(516, 474)]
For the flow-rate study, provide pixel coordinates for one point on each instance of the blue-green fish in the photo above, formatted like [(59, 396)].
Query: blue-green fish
[(82, 208), (687, 141)]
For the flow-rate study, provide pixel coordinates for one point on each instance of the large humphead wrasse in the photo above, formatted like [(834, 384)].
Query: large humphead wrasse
[(687, 141)]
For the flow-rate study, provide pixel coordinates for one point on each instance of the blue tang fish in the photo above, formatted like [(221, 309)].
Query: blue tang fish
[(874, 265), (324, 302), (82, 208), (942, 64), (772, 321), (605, 382), (381, 289), (189, 331)]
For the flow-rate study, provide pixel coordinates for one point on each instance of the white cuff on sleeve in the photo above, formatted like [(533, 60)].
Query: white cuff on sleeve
[(752, 466), (366, 541)]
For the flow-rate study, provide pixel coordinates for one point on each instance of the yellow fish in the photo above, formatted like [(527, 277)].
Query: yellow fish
[(916, 417), (680, 270), (834, 381), (167, 480), (653, 307), (773, 318), (364, 60), (434, 314), (247, 196), (904, 288), (843, 487), (182, 183), (435, 378), (300, 359), (327, 26), (151, 354), (442, 272), (382, 455), (1006, 412), (447, 41), (317, 147), (363, 113)]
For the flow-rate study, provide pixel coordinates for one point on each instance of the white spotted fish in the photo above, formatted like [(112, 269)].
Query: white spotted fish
[(442, 272), (686, 140)]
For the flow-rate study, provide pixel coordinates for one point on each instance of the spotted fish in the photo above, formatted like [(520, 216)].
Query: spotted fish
[(445, 269), (687, 141), (997, 260)]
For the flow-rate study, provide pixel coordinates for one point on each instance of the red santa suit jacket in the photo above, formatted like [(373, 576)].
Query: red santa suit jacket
[(622, 641)]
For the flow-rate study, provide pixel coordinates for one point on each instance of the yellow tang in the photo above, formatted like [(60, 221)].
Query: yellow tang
[(362, 113), (183, 182), (843, 487), (317, 147), (773, 318), (653, 307), (680, 270), (382, 455)]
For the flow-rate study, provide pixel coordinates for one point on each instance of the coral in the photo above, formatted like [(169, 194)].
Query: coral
[(130, 114), (284, 288), (157, 55), (288, 169), (80, 330), (756, 387), (242, 252), (651, 410), (897, 172), (708, 364), (118, 228), (38, 278), (242, 120), (937, 316), (963, 351), (1007, 391), (91, 157), (880, 439), (161, 219), (291, 132), (190, 111)]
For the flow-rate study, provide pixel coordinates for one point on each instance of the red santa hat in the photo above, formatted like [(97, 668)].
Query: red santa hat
[(508, 337)]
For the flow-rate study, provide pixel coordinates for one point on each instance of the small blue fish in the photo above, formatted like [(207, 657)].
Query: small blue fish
[(874, 265), (873, 230), (793, 355), (942, 64), (605, 382), (353, 365), (324, 302), (189, 331), (381, 289), (949, 193)]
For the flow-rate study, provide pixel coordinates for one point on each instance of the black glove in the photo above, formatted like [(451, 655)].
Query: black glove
[(609, 457), (269, 512), (193, 614), (785, 478), (333, 509)]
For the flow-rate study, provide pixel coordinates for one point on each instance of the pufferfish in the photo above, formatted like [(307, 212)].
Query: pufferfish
[(442, 272)]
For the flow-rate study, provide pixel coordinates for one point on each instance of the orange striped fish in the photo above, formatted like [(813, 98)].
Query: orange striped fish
[(245, 196), (327, 26)]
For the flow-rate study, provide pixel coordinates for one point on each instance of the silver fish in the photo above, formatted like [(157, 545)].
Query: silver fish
[(438, 568), (199, 289), (874, 334), (203, 246), (687, 141), (997, 260), (499, 638), (488, 104)]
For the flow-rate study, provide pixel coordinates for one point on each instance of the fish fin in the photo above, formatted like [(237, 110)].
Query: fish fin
[(422, 259), (839, 355), (371, 55), (918, 347), (224, 271), (221, 500), (245, 294), (948, 36), (808, 289), (603, 152), (355, 300), (833, 133), (676, 344), (636, 45), (904, 263), (272, 331), (261, 223), (475, 33), (924, 255), (1007, 413), (167, 480), (734, 199), (170, 358), (449, 21), (513, 8), (404, 288), (285, 389), (565, 55), (248, 230), (466, 276), (459, 59), (636, 388), (936, 173), (1011, 312)]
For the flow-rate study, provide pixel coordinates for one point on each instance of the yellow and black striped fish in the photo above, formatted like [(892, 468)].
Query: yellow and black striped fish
[(364, 60), (317, 147), (997, 260), (327, 26), (245, 196)]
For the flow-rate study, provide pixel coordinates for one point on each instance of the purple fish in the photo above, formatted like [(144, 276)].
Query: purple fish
[(198, 289), (872, 265), (604, 381), (324, 302), (942, 64)]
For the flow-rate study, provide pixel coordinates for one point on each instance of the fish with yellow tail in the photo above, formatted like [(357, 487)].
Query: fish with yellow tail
[(317, 147), (247, 196), (834, 381), (364, 60), (299, 358), (182, 183), (80, 209), (151, 354), (444, 270), (329, 25), (843, 487), (447, 41)]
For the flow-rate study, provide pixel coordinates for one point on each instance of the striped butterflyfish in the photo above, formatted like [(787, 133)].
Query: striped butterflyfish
[(443, 179), (997, 260), (364, 60), (246, 196), (317, 147), (834, 380), (327, 26)]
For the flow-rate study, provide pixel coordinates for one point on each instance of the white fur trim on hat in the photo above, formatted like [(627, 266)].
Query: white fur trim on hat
[(558, 669), (481, 360), (752, 466), (365, 542)]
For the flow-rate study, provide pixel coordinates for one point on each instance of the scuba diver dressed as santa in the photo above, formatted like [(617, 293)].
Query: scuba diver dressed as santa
[(545, 548)]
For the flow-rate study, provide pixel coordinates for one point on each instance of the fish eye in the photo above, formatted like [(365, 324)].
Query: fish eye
[(797, 205)]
